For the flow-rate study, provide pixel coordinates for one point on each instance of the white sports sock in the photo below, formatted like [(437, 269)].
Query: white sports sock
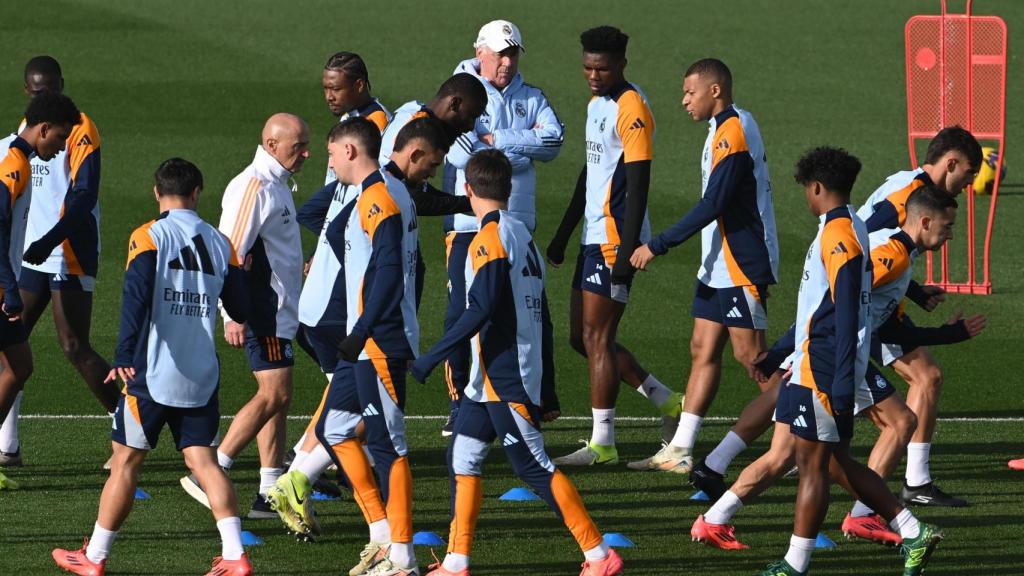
[(722, 511), (99, 544), (224, 460), (686, 434), (723, 454), (597, 553), (267, 478), (799, 555), (603, 433), (230, 537), (861, 510), (402, 554), (298, 445), (297, 460), (9, 431), (906, 524), (455, 562), (380, 531), (918, 473), (654, 390), (314, 464)]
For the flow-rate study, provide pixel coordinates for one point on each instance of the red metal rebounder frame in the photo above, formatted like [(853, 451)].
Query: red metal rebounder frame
[(956, 74)]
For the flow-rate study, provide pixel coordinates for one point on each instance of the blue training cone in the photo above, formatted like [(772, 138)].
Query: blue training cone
[(616, 540), (519, 495), (427, 539), (317, 495), (699, 495), (824, 541), (250, 539), (141, 494)]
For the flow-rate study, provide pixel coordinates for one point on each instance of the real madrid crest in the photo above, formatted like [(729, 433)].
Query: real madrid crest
[(601, 127), (506, 30), (520, 110)]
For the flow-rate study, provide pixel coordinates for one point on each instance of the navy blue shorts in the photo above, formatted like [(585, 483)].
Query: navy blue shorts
[(810, 415), (593, 273), (269, 352), (323, 344), (38, 282), (736, 306), (873, 389), (12, 333), (138, 422)]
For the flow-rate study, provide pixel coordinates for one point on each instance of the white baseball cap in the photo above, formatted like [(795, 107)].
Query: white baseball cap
[(499, 35)]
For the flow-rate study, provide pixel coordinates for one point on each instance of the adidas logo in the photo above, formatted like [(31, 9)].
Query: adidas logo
[(287, 212), (887, 262), (16, 176), (370, 410), (637, 124), (595, 279), (374, 210), (734, 313), (509, 440), (85, 141), (840, 249), (799, 422), (723, 144), (481, 252)]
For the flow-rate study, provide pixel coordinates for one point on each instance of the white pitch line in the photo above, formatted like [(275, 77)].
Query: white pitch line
[(306, 417)]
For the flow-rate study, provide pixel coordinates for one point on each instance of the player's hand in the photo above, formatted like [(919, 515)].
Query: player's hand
[(641, 257), (419, 373), (234, 333), (755, 371), (555, 254), (973, 325), (620, 292), (487, 139), (306, 266), (12, 305), (126, 373), (36, 253), (936, 296), (550, 416)]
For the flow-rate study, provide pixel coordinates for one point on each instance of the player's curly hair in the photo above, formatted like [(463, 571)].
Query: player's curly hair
[(362, 130), (52, 108), (835, 168), (350, 64), (954, 138), (604, 40)]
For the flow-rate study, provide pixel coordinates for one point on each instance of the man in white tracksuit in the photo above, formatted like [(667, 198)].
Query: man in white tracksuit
[(519, 122)]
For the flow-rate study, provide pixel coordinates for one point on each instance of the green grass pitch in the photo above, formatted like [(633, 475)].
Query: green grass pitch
[(197, 79)]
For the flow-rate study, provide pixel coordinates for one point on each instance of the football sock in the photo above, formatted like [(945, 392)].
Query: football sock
[(230, 537), (654, 391), (861, 510), (298, 445), (725, 452), (603, 433), (722, 511), (455, 562), (380, 531), (267, 478), (224, 460), (906, 524), (300, 455), (314, 463), (99, 544), (9, 431), (917, 464), (686, 434), (597, 553), (799, 555), (401, 553)]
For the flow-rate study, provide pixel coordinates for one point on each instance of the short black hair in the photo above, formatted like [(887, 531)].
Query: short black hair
[(43, 65), (714, 70), (365, 132), (835, 168), (350, 64), (930, 200), (954, 138), (465, 86), (427, 129), (177, 177), (52, 108), (490, 174), (605, 40)]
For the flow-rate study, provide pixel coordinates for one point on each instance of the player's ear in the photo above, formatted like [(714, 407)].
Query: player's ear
[(716, 90), (359, 85), (156, 193), (469, 190), (194, 197), (455, 104), (416, 155)]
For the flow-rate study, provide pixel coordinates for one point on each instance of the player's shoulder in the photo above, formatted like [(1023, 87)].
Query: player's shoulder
[(839, 234), (375, 200), (487, 244), (243, 187), (144, 238), (15, 168), (84, 134)]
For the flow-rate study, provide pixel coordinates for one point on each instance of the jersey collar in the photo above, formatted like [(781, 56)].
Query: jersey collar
[(905, 239), (395, 171), (269, 165), (492, 216), (23, 145)]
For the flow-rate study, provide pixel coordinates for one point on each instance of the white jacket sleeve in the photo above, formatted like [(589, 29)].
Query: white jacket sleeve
[(242, 216), (542, 142)]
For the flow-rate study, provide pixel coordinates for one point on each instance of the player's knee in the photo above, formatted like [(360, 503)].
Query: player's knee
[(701, 353), (276, 399), (594, 338), (73, 348), (931, 377)]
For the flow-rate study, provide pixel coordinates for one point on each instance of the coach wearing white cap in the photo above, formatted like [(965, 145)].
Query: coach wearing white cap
[(519, 122)]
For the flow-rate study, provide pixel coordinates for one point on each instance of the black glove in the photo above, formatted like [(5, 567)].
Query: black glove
[(556, 253), (351, 347), (36, 253), (419, 372)]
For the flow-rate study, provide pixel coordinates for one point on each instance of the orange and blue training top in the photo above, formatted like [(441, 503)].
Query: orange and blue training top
[(15, 193)]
